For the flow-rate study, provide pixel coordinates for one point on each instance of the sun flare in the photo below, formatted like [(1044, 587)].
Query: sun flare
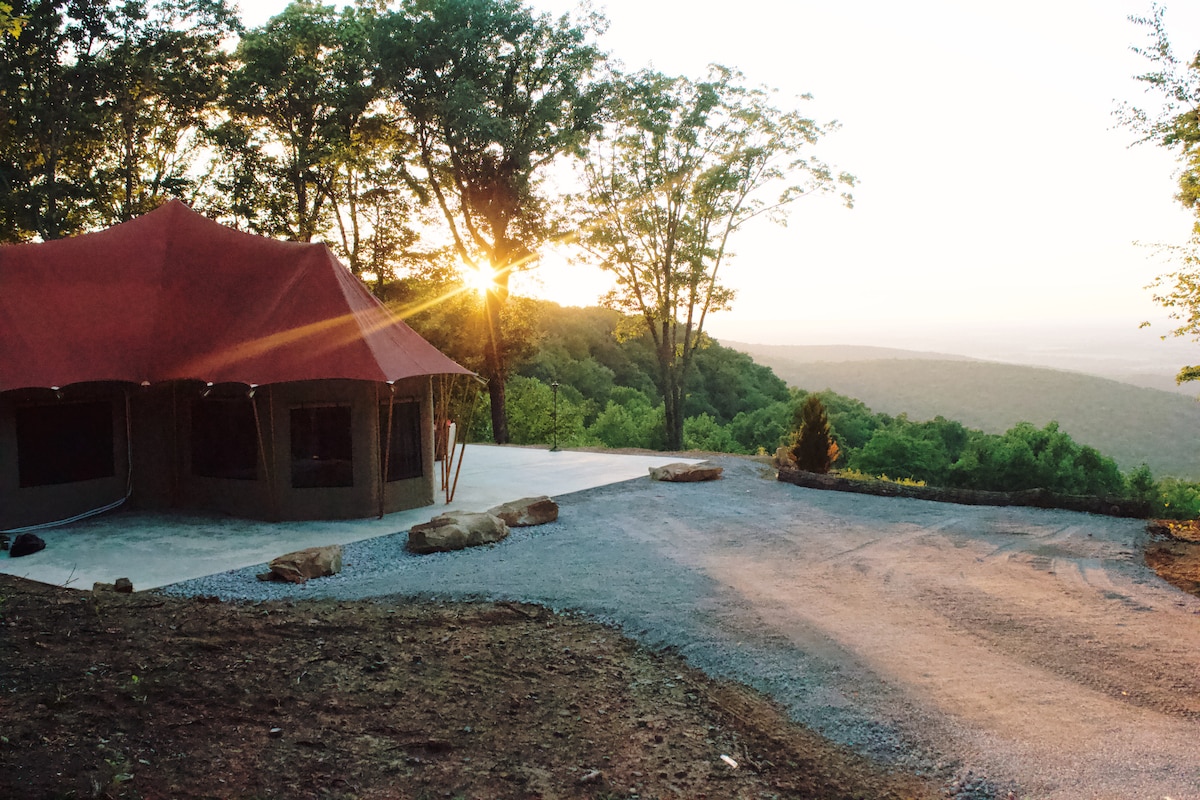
[(481, 278)]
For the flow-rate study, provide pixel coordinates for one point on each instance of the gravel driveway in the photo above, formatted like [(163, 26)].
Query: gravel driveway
[(1004, 649)]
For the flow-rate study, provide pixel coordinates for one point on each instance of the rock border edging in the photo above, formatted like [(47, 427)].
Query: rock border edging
[(1034, 498)]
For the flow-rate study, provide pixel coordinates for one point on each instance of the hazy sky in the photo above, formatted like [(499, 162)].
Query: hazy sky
[(996, 190)]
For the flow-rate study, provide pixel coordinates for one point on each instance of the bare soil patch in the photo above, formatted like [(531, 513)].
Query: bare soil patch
[(148, 696), (1174, 553)]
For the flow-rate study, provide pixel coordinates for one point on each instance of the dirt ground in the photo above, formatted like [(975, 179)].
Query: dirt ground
[(1174, 553), (147, 696)]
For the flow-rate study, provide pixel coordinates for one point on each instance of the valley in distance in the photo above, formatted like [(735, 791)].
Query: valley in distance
[(1118, 397)]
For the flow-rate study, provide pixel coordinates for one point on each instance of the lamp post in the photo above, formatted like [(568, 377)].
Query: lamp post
[(554, 386)]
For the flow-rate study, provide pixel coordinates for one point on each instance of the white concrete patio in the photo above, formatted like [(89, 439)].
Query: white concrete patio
[(154, 549)]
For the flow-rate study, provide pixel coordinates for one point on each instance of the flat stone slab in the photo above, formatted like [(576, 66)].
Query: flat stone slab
[(686, 473), (456, 530), (526, 511), (303, 565)]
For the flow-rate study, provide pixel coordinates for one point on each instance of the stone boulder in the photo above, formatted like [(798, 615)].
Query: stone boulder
[(122, 586), (303, 565), (456, 530), (526, 511), (686, 473), (26, 544)]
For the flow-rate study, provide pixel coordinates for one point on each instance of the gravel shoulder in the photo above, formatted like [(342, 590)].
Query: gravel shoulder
[(1001, 649)]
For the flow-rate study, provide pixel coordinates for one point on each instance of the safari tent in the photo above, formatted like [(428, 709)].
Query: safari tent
[(172, 362)]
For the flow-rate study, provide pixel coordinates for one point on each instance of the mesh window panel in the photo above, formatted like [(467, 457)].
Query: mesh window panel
[(404, 459), (322, 452), (224, 438), (64, 443)]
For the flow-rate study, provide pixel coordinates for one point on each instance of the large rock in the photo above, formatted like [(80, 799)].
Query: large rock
[(303, 565), (25, 544), (783, 458), (526, 511), (686, 473), (456, 530)]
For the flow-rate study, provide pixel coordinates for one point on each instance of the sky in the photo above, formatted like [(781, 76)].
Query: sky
[(999, 201)]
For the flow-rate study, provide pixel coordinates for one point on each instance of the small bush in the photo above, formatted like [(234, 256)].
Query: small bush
[(1178, 499)]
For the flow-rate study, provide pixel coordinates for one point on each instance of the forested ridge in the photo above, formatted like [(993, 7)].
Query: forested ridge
[(1132, 424)]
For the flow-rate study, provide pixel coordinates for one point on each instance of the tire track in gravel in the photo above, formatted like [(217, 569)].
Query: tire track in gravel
[(1026, 643)]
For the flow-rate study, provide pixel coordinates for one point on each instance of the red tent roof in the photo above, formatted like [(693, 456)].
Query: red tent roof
[(174, 295)]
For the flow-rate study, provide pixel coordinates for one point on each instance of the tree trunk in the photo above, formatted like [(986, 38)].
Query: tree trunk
[(496, 372), (674, 420), (670, 374), (49, 225), (499, 412), (672, 390)]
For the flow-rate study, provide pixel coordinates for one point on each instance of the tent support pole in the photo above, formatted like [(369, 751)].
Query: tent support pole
[(262, 449), (271, 424), (387, 448), (176, 456)]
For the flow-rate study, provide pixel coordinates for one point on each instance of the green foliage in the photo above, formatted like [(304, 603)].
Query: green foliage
[(1174, 125), (725, 383), (629, 420), (531, 414), (452, 318), (10, 25), (1178, 499), (1140, 485), (855, 475), (944, 453), (705, 433), (102, 104), (611, 383), (902, 453), (299, 92), (814, 450), (852, 422), (765, 428), (581, 348)]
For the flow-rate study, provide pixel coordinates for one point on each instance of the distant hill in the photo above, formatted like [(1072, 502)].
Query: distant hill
[(1129, 423), (807, 354)]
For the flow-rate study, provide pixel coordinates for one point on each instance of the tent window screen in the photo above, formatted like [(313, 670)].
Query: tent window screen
[(404, 456), (64, 443), (322, 455), (224, 439)]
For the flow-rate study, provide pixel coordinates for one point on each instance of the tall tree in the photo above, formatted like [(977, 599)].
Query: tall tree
[(1174, 125), (102, 102), (815, 450), (165, 74), (377, 204), (52, 129), (681, 167), (493, 93), (299, 91)]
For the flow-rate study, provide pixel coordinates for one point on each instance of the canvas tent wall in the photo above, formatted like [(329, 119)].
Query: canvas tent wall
[(183, 334)]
